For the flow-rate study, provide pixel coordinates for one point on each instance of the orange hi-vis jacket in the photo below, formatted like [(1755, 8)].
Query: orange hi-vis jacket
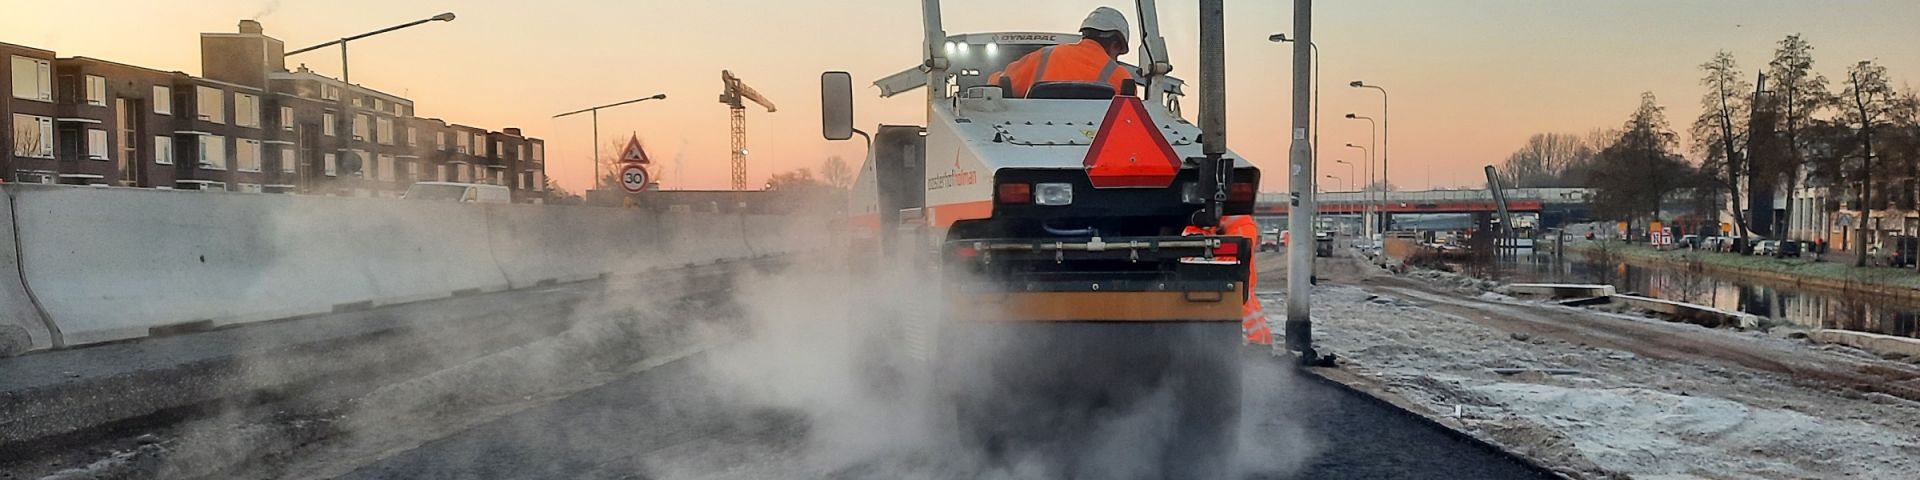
[(1085, 61), (1253, 320)]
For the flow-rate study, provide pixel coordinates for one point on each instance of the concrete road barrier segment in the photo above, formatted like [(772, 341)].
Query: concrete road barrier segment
[(90, 265)]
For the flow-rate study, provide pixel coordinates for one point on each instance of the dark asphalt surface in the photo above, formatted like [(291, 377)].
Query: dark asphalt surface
[(667, 422)]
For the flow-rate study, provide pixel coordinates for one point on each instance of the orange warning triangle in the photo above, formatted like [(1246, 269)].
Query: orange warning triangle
[(634, 154), (1129, 152)]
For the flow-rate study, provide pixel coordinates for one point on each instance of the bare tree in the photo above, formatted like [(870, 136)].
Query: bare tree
[(1715, 134), (1546, 160), (1872, 105), (836, 172), (1634, 174), (1799, 94)]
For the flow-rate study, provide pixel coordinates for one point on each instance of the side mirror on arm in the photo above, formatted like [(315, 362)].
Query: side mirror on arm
[(836, 105)]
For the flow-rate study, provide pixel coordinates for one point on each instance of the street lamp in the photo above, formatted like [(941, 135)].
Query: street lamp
[(1335, 178), (596, 130), (1282, 38), (1350, 173), (1366, 188), (1384, 139), (343, 125)]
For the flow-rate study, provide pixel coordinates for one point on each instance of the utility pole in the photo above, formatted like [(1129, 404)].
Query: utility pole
[(1301, 208)]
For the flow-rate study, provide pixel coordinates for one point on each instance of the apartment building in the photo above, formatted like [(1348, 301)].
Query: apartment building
[(246, 124)]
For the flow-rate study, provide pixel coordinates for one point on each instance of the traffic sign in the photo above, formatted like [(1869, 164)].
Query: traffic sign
[(633, 152), (633, 177)]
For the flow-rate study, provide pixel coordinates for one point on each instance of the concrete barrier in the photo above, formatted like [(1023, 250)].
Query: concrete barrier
[(22, 326), (1871, 342), (1561, 290), (1695, 314), (113, 264)]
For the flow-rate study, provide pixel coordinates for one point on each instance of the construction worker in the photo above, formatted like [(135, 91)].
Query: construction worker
[(1103, 38), (1253, 318)]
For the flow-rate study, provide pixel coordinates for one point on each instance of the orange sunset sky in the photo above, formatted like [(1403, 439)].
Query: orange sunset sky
[(1469, 79)]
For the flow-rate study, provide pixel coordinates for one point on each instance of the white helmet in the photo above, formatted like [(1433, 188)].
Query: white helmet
[(1107, 19)]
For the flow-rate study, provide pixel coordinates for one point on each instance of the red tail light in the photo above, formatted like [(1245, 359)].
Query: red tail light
[(1241, 192), (1016, 193), (1227, 249), (966, 251)]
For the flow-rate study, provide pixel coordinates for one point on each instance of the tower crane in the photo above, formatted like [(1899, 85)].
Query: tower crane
[(734, 91)]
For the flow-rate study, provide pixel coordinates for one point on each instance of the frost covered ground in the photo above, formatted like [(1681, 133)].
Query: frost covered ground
[(1605, 395)]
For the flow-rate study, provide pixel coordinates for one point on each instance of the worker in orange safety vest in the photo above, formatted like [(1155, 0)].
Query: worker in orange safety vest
[(1253, 318), (1095, 58)]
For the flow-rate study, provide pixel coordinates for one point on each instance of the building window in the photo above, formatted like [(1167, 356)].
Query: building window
[(287, 163), (386, 167), (213, 152), (413, 170), (539, 182), (539, 152), (411, 140), (461, 141), (32, 79), (212, 103), (248, 188), (326, 124), (249, 152), (97, 144), (286, 118), (499, 149), (360, 127), (379, 105), (246, 110), (385, 130), (331, 164), (479, 145), (163, 150), (439, 140), (32, 136), (162, 100), (96, 90)]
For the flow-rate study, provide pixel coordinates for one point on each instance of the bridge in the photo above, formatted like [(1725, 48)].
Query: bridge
[(1554, 205)]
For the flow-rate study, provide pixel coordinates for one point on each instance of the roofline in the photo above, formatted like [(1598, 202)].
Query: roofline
[(136, 67), (36, 49)]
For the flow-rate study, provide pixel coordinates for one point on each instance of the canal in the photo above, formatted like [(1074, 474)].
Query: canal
[(1811, 308)]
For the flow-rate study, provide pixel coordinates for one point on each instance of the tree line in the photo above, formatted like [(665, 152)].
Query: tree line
[(1781, 126)]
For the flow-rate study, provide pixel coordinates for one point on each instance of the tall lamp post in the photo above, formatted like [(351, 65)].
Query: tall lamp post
[(1366, 188), (343, 126), (1384, 139), (596, 130), (1282, 38), (1336, 180), (1350, 173)]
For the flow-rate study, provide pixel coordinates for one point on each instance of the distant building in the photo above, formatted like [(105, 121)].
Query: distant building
[(247, 124)]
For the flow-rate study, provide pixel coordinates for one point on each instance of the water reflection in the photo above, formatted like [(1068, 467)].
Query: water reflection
[(1815, 309)]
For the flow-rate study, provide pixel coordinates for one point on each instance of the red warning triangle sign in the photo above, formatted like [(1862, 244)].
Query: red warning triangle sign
[(633, 152), (1129, 151)]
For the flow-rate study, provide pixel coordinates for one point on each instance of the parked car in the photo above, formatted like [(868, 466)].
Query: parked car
[(1690, 242), (1715, 243), (1790, 249), (1766, 247), (458, 192)]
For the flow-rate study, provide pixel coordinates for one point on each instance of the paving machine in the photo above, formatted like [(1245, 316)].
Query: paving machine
[(1059, 229)]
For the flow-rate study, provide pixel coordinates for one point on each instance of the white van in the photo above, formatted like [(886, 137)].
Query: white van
[(459, 192)]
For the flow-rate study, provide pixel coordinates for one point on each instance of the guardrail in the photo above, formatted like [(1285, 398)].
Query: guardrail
[(86, 265)]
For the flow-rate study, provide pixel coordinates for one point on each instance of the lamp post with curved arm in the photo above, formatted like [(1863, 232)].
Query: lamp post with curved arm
[(1384, 138)]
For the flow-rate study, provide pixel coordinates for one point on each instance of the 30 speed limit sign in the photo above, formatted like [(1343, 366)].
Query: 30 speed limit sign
[(633, 177)]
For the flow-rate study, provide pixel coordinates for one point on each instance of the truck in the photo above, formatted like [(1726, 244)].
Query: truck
[(1068, 234)]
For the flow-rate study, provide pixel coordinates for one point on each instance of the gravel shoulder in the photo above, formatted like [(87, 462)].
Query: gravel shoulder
[(1604, 395)]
